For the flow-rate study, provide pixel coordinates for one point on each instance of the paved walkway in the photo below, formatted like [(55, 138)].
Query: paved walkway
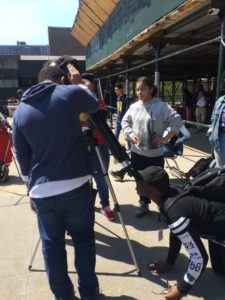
[(117, 275)]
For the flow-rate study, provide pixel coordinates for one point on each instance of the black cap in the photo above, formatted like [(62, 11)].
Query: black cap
[(88, 76), (156, 176)]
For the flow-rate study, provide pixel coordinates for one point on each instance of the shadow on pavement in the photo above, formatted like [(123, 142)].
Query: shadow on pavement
[(150, 222), (13, 180)]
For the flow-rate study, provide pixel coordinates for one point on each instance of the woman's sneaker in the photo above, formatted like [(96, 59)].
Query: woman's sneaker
[(108, 213), (119, 175)]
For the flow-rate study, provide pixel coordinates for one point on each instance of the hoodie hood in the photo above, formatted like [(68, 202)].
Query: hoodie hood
[(37, 92)]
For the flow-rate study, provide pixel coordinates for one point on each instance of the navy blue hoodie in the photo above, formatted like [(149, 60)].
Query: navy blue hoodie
[(47, 138)]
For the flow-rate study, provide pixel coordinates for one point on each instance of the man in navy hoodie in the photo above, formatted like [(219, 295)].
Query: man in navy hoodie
[(51, 152)]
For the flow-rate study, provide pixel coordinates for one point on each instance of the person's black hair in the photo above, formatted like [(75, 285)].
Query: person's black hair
[(62, 59), (119, 85), (89, 76), (149, 81), (48, 63), (19, 93), (52, 73)]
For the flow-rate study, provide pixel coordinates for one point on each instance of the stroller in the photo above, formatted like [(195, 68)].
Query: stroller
[(5, 149)]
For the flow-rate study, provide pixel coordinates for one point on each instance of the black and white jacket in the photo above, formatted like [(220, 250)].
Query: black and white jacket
[(189, 219)]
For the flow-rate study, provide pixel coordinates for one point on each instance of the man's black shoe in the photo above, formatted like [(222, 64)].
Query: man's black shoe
[(93, 297), (119, 175), (71, 296)]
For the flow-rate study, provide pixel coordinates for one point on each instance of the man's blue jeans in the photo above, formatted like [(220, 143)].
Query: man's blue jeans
[(72, 211), (118, 128), (100, 180)]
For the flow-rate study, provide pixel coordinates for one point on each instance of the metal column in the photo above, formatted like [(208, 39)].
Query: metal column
[(110, 94), (221, 61), (157, 65), (127, 86)]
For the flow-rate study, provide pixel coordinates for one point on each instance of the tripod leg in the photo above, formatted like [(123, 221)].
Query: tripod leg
[(117, 208), (17, 168), (33, 256)]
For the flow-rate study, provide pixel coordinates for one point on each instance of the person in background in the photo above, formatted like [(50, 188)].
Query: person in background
[(216, 131), (52, 155), (101, 184), (189, 218), (144, 124), (122, 105), (176, 144), (188, 103), (201, 104), (19, 94), (172, 147)]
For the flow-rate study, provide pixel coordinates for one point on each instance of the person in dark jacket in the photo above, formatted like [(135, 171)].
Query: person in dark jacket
[(122, 104), (188, 103), (51, 152), (189, 219)]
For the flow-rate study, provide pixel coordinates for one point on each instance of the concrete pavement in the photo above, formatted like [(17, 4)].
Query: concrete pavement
[(116, 272)]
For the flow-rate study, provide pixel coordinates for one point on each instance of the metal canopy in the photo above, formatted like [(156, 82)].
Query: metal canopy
[(91, 16), (193, 28), (188, 25)]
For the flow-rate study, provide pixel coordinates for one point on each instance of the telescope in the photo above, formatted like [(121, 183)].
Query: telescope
[(98, 120)]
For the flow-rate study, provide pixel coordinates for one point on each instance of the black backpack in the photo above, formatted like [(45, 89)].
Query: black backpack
[(200, 166), (209, 185)]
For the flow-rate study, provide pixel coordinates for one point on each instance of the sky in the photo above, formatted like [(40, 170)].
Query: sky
[(28, 20)]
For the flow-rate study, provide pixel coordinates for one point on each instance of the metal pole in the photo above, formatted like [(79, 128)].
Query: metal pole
[(110, 94), (34, 253), (127, 89), (217, 39), (173, 91), (157, 65), (100, 89), (221, 61)]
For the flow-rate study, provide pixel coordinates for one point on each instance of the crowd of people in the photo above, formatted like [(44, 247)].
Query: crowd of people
[(59, 178)]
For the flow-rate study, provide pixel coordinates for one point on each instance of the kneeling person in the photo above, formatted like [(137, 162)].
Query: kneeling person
[(189, 218)]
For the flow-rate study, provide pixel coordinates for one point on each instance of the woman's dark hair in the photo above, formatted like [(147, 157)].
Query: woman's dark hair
[(50, 73), (119, 85), (149, 81)]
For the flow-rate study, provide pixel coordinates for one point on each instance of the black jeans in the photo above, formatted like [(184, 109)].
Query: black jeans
[(140, 162)]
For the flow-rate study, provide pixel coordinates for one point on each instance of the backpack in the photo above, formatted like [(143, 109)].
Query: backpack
[(200, 166), (209, 185)]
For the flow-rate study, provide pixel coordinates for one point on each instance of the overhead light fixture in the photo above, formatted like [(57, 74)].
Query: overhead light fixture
[(216, 7), (214, 11)]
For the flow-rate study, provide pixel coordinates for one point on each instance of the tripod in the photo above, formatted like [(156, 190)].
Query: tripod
[(116, 205), (116, 208)]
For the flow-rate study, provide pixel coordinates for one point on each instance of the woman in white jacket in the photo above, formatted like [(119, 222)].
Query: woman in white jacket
[(144, 124)]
